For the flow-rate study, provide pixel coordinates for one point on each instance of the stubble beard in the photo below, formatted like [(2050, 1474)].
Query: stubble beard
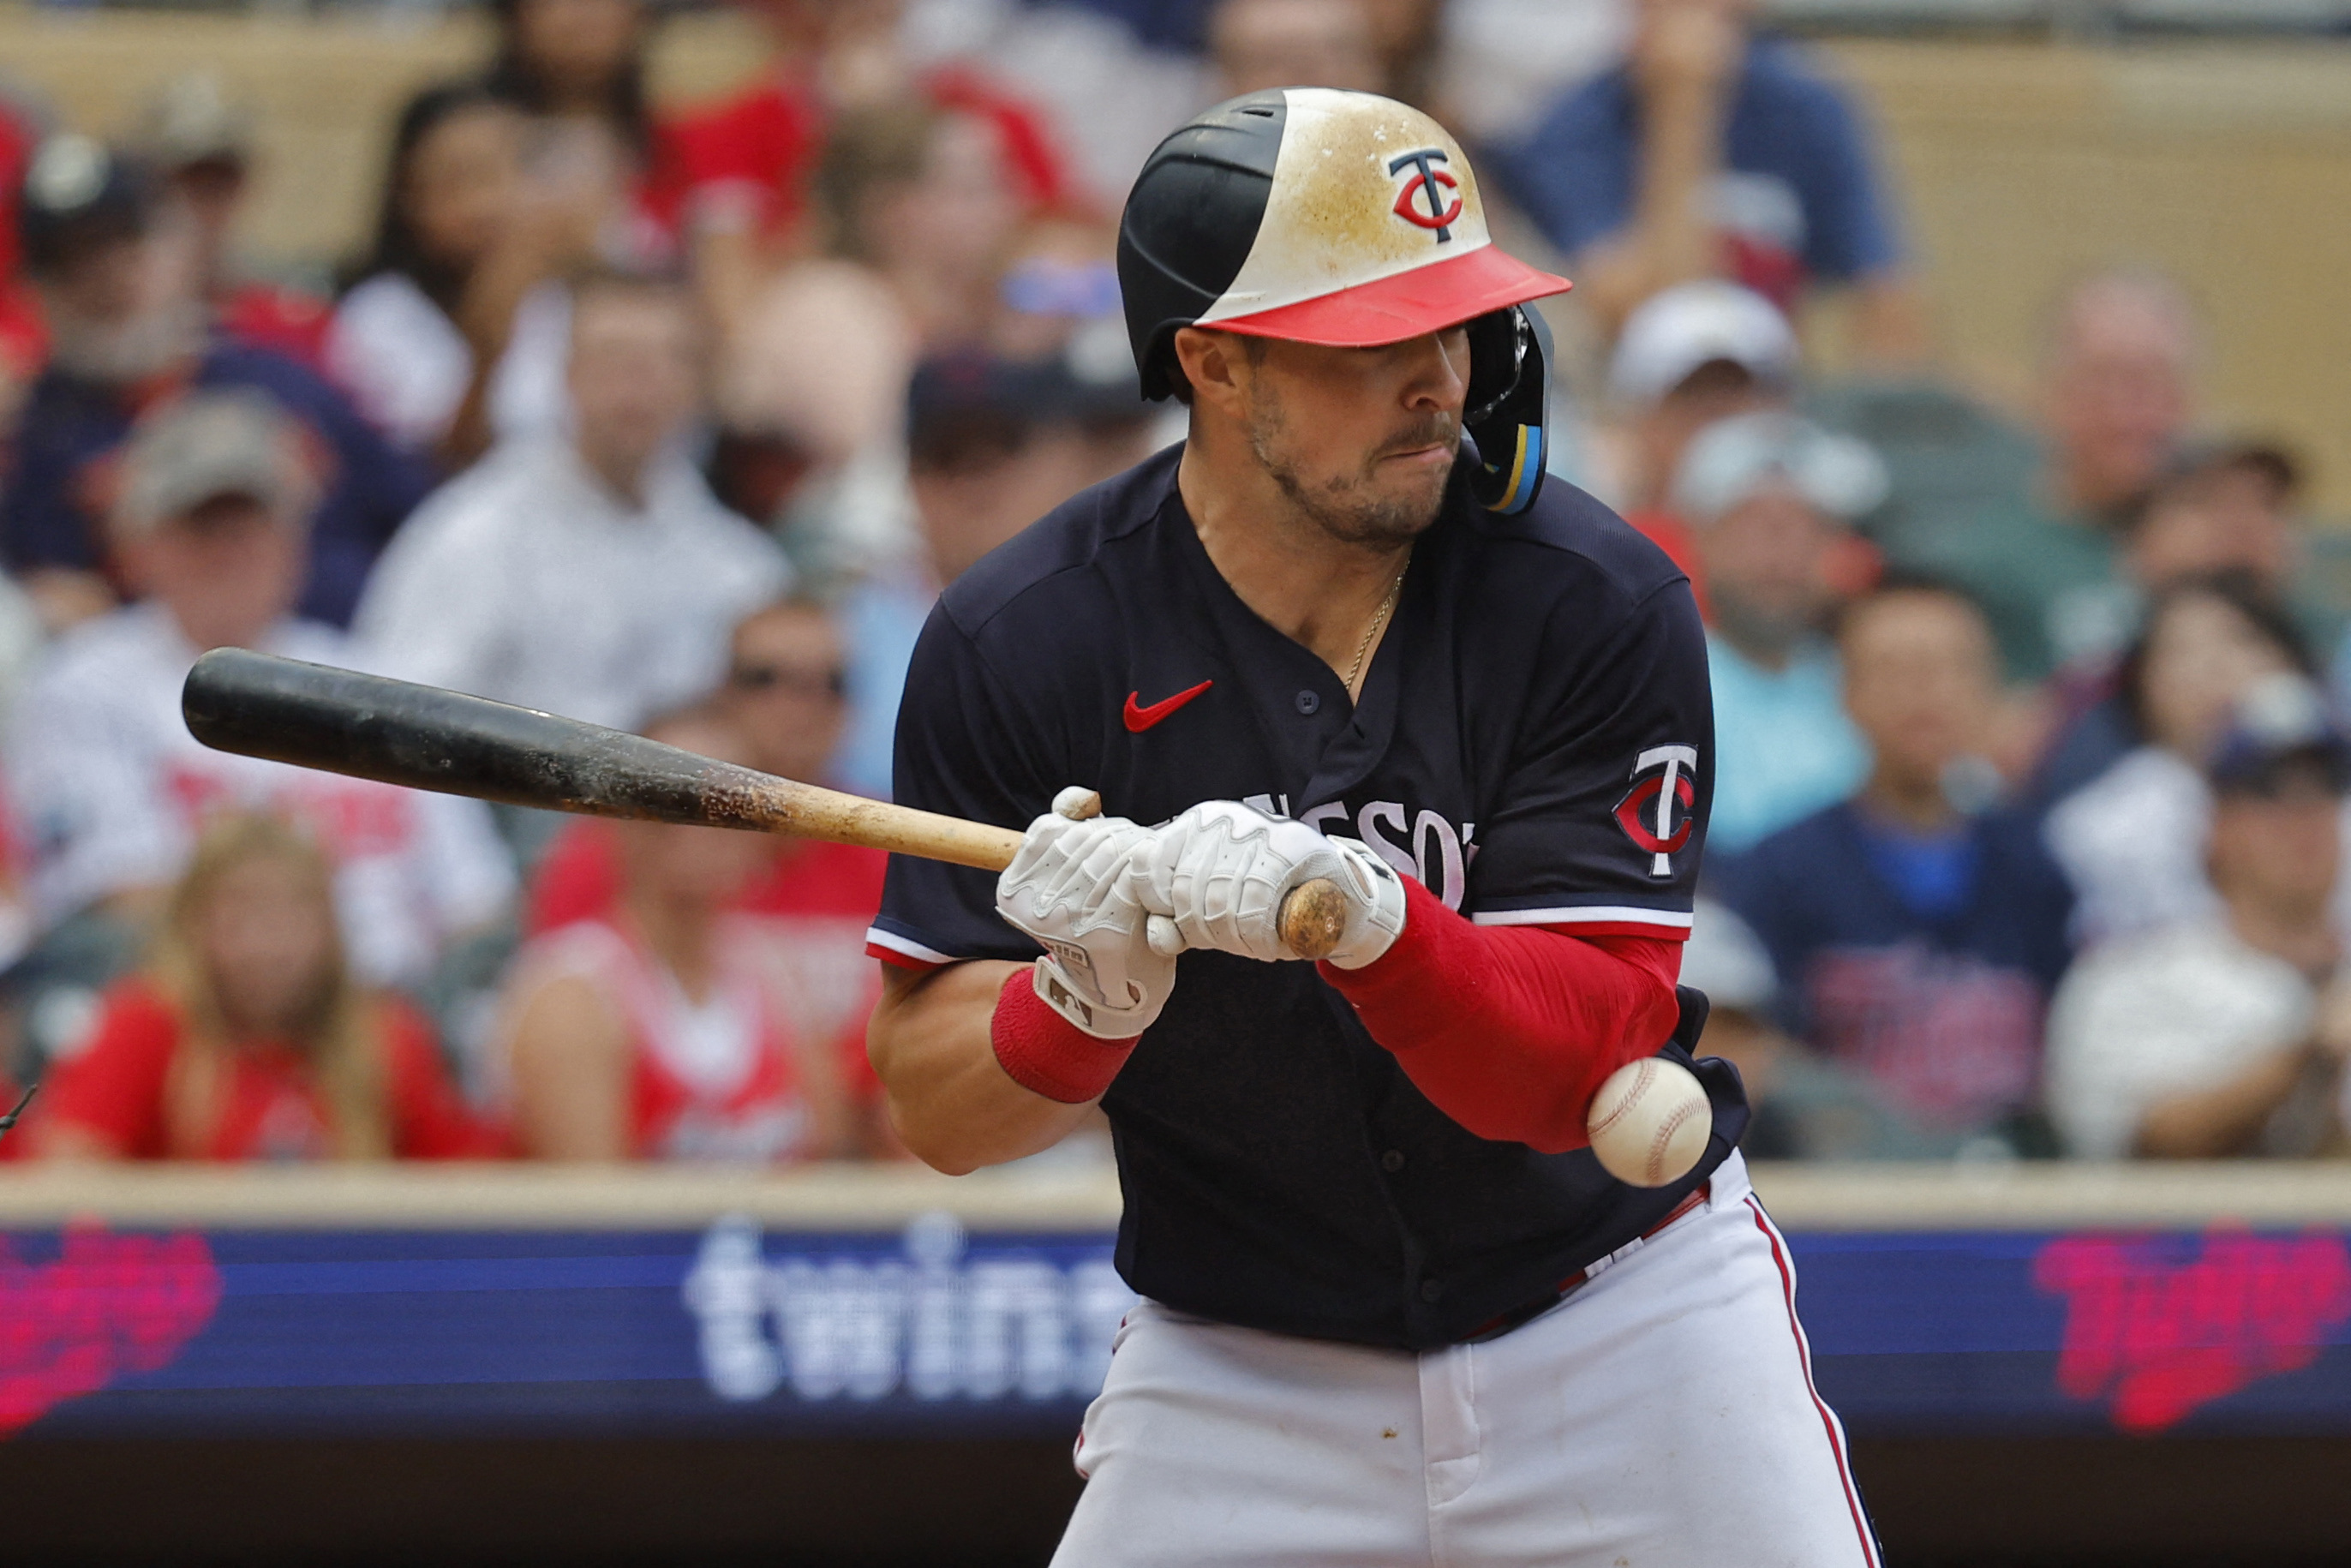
[(1356, 509)]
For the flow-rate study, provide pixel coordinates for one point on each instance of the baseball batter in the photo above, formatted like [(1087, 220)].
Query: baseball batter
[(1394, 1311)]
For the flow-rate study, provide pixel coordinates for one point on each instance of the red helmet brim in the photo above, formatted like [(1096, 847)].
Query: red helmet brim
[(1406, 304)]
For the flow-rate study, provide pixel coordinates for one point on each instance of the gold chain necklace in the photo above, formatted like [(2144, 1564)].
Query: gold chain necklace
[(1387, 606)]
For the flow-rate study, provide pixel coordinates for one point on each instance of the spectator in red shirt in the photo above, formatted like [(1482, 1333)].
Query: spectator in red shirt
[(811, 901), (785, 688), (201, 145), (246, 1037), (662, 1026)]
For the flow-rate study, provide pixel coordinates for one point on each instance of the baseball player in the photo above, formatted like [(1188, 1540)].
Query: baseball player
[(1394, 1311)]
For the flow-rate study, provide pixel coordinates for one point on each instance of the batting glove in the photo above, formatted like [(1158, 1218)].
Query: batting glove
[(1073, 887), (1219, 871)]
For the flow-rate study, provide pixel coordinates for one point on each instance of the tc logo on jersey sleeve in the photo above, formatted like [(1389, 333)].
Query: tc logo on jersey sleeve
[(1656, 812)]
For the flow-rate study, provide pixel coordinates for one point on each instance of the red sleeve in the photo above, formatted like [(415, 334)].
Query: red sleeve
[(114, 1084), (1510, 1030), (430, 1119)]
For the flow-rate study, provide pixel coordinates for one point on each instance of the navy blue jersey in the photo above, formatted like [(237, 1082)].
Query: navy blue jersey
[(1533, 743)]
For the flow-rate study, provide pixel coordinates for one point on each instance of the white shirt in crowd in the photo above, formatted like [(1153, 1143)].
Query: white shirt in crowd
[(2174, 1013), (2132, 843), (113, 790), (526, 579), (406, 364)]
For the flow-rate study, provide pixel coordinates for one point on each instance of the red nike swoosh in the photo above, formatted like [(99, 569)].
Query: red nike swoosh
[(1140, 718)]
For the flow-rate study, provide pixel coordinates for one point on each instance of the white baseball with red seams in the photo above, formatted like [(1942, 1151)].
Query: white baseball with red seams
[(1650, 1122)]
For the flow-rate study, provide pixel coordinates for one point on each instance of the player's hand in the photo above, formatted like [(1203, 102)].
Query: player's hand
[(1074, 887), (1219, 871)]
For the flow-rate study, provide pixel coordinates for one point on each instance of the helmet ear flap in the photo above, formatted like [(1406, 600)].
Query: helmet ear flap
[(1509, 382)]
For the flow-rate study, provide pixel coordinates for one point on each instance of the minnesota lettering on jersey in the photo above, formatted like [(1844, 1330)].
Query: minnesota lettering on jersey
[(1418, 843)]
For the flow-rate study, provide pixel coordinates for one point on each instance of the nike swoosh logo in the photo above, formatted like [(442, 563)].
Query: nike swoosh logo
[(1140, 718)]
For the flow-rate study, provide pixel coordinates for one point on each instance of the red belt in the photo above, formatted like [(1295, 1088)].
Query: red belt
[(1518, 1316)]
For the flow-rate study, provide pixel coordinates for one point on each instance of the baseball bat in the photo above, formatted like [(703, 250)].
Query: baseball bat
[(426, 738)]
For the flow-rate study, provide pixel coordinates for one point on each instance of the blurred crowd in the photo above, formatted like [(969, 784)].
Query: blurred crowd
[(2029, 825)]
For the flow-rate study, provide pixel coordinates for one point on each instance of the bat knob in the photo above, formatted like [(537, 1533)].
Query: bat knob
[(1165, 938), (1312, 918)]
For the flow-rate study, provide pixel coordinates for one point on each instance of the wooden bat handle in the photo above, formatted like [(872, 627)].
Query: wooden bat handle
[(369, 727), (1312, 917)]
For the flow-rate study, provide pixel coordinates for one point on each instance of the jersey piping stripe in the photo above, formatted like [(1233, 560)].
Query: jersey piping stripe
[(904, 947), (1586, 915), (1829, 1422)]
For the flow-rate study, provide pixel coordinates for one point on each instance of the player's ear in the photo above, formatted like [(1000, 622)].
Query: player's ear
[(1214, 364)]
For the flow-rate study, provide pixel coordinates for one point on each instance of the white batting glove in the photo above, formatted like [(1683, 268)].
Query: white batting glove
[(1221, 871), (1073, 887)]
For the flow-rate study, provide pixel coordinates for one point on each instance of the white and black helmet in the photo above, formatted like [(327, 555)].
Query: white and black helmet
[(1341, 218)]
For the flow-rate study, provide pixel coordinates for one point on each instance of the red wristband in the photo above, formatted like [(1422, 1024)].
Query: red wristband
[(1047, 1054)]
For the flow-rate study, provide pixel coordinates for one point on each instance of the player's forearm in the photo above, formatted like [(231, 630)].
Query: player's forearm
[(1510, 1029), (950, 1100), (1671, 237), (2214, 1122)]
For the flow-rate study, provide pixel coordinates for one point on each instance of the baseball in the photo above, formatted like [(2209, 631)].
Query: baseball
[(1650, 1122)]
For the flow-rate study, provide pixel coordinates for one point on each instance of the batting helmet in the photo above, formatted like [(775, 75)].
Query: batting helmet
[(1341, 218)]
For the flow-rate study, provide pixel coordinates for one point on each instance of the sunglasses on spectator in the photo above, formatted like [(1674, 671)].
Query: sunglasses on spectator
[(832, 682)]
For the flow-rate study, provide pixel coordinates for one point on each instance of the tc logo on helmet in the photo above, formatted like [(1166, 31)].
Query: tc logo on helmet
[(1439, 190), (1656, 812)]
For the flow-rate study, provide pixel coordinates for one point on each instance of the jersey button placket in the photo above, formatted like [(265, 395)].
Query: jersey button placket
[(1308, 702), (1393, 1161)]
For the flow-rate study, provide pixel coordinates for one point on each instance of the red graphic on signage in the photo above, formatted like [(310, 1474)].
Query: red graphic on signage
[(107, 1305), (2163, 1336)]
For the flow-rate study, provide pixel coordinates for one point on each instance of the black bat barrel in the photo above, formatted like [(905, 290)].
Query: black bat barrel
[(370, 727)]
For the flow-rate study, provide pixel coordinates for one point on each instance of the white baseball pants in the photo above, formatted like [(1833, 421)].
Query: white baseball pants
[(1663, 1416)]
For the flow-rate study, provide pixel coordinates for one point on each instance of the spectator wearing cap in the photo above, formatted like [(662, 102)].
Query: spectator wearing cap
[(1689, 356), (202, 146), (1920, 928), (1805, 1106), (2226, 1032), (210, 524), (592, 574), (2116, 406), (2131, 840), (993, 445), (126, 334), (1768, 497), (1711, 152)]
